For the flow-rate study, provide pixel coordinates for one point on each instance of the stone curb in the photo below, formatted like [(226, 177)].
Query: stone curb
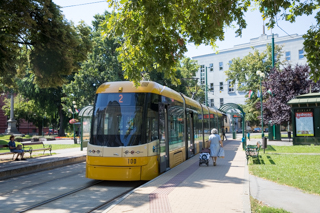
[(39, 166)]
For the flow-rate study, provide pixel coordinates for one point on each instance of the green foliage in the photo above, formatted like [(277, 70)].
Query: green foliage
[(156, 32), (24, 109), (242, 72), (34, 34), (186, 69), (312, 47), (101, 66)]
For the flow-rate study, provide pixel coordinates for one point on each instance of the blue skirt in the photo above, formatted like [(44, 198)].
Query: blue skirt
[(214, 149)]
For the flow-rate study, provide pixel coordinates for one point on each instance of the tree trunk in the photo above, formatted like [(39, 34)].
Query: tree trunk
[(61, 115)]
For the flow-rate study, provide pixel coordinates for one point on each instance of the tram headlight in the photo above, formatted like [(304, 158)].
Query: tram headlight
[(132, 152)]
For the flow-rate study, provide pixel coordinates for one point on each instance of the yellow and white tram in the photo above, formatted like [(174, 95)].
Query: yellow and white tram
[(140, 132)]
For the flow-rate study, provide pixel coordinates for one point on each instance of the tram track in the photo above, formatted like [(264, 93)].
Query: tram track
[(95, 209), (59, 196), (109, 202), (39, 184)]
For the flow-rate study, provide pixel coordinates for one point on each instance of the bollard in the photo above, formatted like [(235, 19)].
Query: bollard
[(234, 135), (75, 141), (265, 145), (244, 143)]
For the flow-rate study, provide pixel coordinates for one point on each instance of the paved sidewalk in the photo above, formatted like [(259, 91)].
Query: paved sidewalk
[(190, 188), (62, 157), (285, 197)]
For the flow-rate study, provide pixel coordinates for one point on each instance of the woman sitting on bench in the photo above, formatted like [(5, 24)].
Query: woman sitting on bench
[(13, 148)]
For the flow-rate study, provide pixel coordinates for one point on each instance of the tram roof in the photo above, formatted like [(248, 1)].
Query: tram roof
[(145, 87)]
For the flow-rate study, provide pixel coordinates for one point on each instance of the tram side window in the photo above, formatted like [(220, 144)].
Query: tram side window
[(152, 128), (176, 125)]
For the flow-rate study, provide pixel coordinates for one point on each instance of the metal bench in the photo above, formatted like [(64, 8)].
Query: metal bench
[(44, 147), (13, 153), (253, 151)]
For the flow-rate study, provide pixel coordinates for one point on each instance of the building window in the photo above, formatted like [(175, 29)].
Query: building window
[(202, 74), (288, 56), (211, 67), (221, 86), (221, 102), (231, 86), (212, 88), (212, 102), (220, 65), (301, 54)]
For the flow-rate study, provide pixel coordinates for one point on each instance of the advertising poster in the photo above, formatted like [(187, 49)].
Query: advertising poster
[(304, 122)]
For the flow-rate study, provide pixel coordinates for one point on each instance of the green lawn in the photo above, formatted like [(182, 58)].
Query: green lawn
[(265, 135), (259, 207), (293, 149), (54, 146), (300, 171)]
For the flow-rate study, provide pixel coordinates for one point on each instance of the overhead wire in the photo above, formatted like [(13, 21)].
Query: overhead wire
[(75, 5)]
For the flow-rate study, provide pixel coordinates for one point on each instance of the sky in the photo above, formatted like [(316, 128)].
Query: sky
[(253, 18)]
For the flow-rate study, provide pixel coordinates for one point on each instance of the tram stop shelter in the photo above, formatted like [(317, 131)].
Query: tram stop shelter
[(305, 112), (85, 115)]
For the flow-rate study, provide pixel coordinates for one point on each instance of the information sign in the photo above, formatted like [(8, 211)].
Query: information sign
[(304, 122)]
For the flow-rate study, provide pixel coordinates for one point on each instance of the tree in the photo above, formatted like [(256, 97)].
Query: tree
[(26, 110), (242, 72), (156, 32), (285, 84), (55, 47), (312, 49), (101, 66), (45, 102)]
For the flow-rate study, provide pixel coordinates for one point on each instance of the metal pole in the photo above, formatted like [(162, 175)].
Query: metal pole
[(74, 133), (81, 135), (261, 97), (272, 50), (206, 102)]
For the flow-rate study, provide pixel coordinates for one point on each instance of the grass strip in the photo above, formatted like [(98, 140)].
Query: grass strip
[(54, 146), (259, 207), (293, 149), (300, 171)]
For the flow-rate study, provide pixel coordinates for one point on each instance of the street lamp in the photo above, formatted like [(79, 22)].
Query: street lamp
[(44, 117), (74, 106), (261, 76)]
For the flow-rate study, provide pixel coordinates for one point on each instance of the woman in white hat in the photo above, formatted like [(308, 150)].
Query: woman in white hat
[(214, 142)]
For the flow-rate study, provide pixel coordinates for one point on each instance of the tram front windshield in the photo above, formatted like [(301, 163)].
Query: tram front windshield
[(118, 119)]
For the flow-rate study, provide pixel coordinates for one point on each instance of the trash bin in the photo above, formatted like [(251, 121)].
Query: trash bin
[(289, 134), (244, 143), (265, 145), (75, 140)]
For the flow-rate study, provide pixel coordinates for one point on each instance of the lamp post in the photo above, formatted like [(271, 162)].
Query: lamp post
[(44, 117), (261, 76), (74, 106)]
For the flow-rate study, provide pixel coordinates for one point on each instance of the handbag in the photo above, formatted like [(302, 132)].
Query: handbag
[(221, 153)]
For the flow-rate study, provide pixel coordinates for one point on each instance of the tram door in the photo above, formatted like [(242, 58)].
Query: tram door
[(164, 138), (191, 148)]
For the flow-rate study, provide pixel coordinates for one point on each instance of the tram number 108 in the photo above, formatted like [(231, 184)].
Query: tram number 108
[(132, 161)]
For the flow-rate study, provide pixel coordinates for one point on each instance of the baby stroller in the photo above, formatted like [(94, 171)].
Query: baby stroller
[(204, 156)]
